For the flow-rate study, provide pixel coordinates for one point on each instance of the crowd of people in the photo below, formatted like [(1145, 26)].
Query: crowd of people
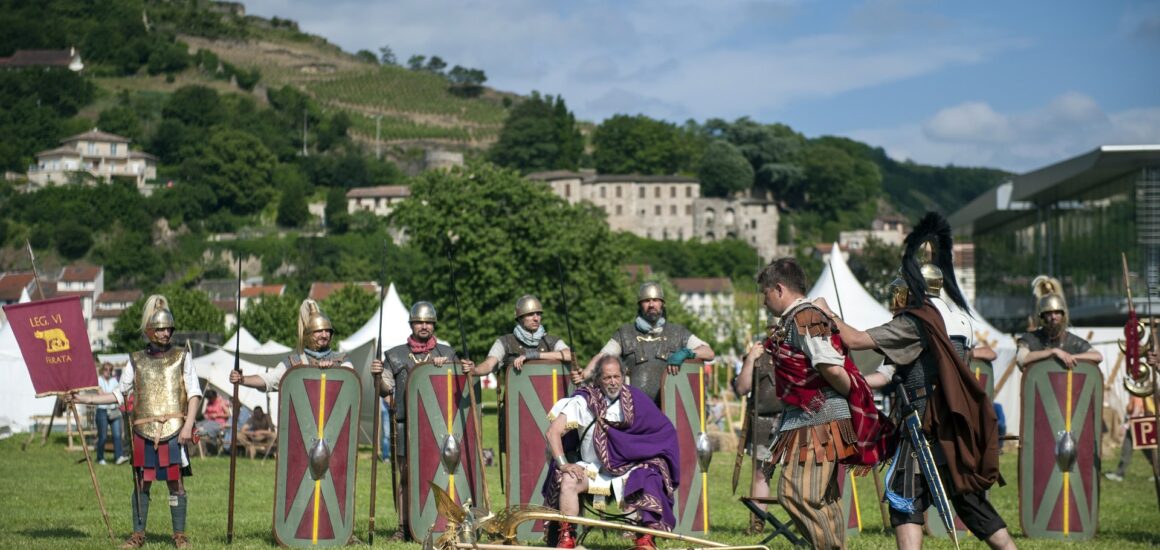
[(812, 410)]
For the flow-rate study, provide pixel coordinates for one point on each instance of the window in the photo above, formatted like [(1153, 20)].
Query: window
[(673, 210), (619, 210), (602, 191), (92, 148), (658, 209), (672, 191), (641, 192), (113, 149), (567, 189), (680, 234), (618, 191), (688, 191), (657, 192), (688, 210)]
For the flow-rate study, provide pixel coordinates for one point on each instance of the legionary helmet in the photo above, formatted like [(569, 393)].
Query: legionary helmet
[(311, 320), (423, 312), (1049, 297), (528, 304), (650, 291), (929, 278), (156, 315)]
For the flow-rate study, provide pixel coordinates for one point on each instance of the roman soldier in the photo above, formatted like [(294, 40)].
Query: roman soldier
[(315, 334), (929, 341), (394, 367), (1051, 338), (650, 344), (529, 340), (167, 397), (756, 380)]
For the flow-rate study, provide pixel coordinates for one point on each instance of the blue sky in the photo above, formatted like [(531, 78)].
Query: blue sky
[(1013, 85)]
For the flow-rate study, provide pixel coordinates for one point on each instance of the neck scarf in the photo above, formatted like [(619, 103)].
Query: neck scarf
[(644, 326), (530, 339), (419, 346), (318, 355)]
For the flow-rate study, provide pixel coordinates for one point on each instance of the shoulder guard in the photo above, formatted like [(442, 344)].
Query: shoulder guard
[(809, 321)]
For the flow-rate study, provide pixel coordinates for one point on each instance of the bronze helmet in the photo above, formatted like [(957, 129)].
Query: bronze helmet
[(423, 312), (650, 291), (933, 277), (899, 295), (528, 304), (156, 315), (1049, 297), (311, 320)]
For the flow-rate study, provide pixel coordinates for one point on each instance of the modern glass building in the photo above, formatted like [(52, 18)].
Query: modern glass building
[(1071, 220)]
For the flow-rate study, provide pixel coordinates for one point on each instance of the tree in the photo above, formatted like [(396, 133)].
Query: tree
[(348, 308), (415, 62), (436, 65), (273, 318), (875, 266), (539, 134), (509, 233), (387, 56), (196, 106), (724, 170), (73, 240), (192, 312), (642, 145), (292, 208), (336, 218), (239, 169), (123, 121), (367, 56)]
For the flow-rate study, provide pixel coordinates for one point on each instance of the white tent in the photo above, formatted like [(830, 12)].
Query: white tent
[(248, 342), (18, 401), (395, 325), (215, 369), (848, 298)]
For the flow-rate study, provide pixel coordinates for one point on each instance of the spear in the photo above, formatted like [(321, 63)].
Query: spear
[(470, 385), (236, 404), (378, 426)]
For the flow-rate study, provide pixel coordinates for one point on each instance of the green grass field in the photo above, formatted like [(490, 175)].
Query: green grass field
[(47, 502)]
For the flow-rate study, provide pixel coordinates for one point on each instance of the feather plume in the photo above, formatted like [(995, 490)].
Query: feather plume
[(308, 309), (1045, 285), (153, 304), (934, 231)]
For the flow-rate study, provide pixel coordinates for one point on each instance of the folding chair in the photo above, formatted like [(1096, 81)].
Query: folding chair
[(779, 527)]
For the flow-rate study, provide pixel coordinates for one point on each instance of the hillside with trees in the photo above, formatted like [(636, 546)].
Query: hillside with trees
[(253, 121)]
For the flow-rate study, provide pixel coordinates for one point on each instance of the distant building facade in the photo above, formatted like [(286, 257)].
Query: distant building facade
[(98, 154), (710, 298), (379, 200), (749, 219)]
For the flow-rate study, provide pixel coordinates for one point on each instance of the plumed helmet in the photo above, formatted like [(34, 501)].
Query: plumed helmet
[(650, 291), (933, 277), (933, 234), (423, 311), (311, 320), (528, 304), (156, 314)]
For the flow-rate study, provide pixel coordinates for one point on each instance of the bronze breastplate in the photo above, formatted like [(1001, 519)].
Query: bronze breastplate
[(159, 386)]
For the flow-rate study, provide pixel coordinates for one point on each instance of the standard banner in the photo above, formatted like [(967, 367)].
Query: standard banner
[(1059, 462), (683, 401), (314, 485), (54, 342), (850, 508), (441, 431), (1143, 430), (530, 394)]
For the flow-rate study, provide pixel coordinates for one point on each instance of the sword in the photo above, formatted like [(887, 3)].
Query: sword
[(913, 426)]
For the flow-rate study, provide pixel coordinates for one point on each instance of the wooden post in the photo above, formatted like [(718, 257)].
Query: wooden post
[(93, 474)]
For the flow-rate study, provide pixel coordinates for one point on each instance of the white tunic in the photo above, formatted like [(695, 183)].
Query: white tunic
[(579, 417)]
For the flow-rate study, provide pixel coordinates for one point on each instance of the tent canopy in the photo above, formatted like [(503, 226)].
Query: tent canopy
[(396, 325), (846, 297), (17, 395)]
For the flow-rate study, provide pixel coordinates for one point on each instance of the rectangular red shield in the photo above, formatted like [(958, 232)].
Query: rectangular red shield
[(1143, 430), (55, 344)]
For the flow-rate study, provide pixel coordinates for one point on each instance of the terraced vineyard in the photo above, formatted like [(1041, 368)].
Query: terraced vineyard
[(414, 105)]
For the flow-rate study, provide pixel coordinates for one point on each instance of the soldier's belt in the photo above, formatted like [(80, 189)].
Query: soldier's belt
[(921, 393), (158, 420)]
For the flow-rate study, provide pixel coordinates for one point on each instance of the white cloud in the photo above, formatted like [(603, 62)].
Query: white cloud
[(699, 59), (974, 134)]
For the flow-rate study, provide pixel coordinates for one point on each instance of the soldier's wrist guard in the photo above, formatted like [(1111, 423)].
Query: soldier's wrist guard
[(561, 461), (531, 354)]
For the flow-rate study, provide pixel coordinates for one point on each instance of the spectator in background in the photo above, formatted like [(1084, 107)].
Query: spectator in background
[(217, 415), (257, 431), (109, 418)]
